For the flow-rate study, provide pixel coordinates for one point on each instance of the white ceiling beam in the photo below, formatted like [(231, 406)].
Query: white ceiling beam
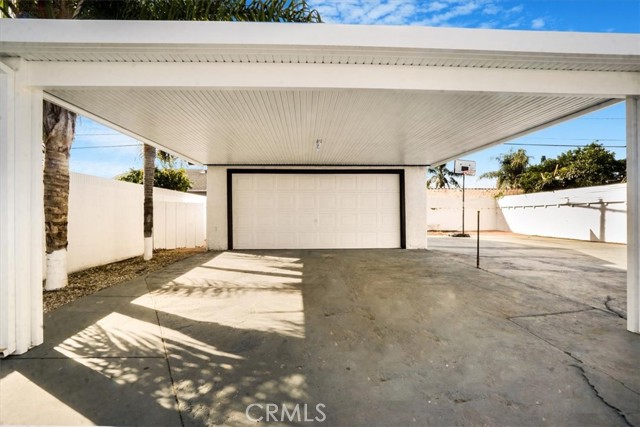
[(50, 75), (98, 35)]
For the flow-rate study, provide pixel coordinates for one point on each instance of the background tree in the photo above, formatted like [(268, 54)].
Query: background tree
[(512, 166), (442, 177), (169, 178), (583, 167), (58, 134)]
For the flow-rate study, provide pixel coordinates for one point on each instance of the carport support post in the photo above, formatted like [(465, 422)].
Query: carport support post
[(21, 210), (633, 214)]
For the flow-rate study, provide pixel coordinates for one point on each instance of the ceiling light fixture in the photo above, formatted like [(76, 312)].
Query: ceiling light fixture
[(318, 144)]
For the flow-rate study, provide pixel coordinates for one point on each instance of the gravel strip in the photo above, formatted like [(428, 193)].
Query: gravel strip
[(86, 282)]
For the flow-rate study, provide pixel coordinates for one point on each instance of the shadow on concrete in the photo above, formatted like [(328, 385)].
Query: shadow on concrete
[(376, 338)]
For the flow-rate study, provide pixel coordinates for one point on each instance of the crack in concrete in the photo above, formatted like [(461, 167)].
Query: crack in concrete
[(583, 373), (166, 356), (599, 396), (611, 309), (550, 314)]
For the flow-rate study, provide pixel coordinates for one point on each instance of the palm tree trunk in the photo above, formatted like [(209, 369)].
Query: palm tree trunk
[(59, 129), (149, 172)]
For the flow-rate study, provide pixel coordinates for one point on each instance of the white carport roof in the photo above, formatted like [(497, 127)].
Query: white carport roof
[(263, 93)]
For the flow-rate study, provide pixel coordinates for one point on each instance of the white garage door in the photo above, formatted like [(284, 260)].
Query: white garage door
[(315, 211)]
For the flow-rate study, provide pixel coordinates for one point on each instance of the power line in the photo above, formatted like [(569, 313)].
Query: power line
[(563, 145), (601, 118), (577, 139), (106, 146)]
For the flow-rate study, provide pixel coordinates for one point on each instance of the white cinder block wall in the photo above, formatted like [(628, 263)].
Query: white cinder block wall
[(415, 205), (105, 220)]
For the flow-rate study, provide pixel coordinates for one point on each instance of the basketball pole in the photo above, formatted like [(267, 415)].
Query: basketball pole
[(463, 176)]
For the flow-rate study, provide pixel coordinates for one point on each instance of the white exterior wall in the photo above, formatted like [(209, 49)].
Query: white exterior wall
[(21, 210), (105, 220), (444, 210), (415, 204), (590, 213)]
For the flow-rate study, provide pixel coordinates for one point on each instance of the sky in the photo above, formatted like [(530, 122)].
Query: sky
[(101, 151)]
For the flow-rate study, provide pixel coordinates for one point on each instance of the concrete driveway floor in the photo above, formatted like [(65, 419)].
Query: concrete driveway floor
[(350, 338)]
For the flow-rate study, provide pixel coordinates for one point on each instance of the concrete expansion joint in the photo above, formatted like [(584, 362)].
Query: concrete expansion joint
[(174, 388), (599, 396)]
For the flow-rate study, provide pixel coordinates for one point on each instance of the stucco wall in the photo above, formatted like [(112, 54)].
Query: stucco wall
[(415, 205), (590, 213), (105, 220)]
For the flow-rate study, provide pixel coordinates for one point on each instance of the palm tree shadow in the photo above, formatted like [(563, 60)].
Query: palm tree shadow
[(123, 360)]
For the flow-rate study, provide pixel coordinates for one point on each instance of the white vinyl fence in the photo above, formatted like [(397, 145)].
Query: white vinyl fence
[(590, 213), (105, 220)]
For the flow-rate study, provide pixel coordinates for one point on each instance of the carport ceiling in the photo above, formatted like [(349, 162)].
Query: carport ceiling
[(247, 93)]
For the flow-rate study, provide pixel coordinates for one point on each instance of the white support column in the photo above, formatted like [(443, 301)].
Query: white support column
[(633, 214), (217, 238), (21, 211), (415, 205)]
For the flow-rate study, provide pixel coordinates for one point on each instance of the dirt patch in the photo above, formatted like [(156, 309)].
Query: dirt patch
[(86, 282)]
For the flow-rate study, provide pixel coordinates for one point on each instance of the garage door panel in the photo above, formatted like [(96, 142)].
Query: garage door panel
[(244, 239), (286, 202), (347, 202), (285, 183), (327, 241), (265, 201), (388, 240), (368, 221), (346, 183), (285, 241), (367, 240), (306, 183), (347, 222), (306, 202), (307, 240), (306, 221), (367, 202), (327, 203), (308, 211), (388, 183), (285, 222), (265, 183), (327, 222), (245, 202), (347, 240), (387, 220), (384, 204), (327, 183), (367, 183), (266, 222), (243, 183), (266, 238)]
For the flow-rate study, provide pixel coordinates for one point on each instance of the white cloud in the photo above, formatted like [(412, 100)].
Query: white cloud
[(468, 13), (463, 9), (537, 24), (366, 11), (515, 9), (436, 6)]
